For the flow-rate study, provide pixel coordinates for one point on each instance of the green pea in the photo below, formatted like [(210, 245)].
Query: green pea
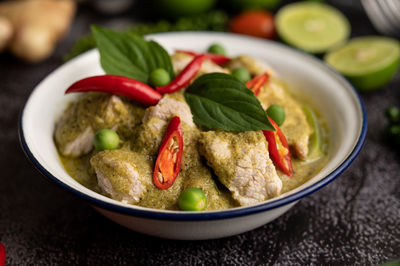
[(276, 113), (393, 113), (192, 199), (159, 77), (216, 48), (241, 74), (106, 139), (394, 133)]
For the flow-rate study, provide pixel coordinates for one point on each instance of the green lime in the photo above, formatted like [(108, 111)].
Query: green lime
[(177, 8), (367, 62), (311, 26)]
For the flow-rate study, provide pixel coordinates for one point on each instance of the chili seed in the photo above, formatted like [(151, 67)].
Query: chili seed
[(171, 143), (175, 147), (160, 177)]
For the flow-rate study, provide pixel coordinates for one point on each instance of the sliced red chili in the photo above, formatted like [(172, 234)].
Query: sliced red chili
[(216, 58), (2, 255), (279, 148), (119, 85), (186, 75), (257, 83), (168, 163)]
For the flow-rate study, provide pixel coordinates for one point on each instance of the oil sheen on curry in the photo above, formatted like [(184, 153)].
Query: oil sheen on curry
[(161, 151)]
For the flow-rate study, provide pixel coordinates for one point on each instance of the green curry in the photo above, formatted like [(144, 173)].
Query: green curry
[(232, 168)]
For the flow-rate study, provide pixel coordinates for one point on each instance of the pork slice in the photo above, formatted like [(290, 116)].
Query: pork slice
[(155, 121), (241, 162), (81, 144), (165, 110), (254, 66), (122, 174), (295, 127), (181, 60), (74, 132)]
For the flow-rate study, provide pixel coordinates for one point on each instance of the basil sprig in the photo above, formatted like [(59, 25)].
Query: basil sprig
[(130, 55), (220, 101)]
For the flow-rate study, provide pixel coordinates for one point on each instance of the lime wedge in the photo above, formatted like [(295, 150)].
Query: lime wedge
[(367, 62), (311, 26)]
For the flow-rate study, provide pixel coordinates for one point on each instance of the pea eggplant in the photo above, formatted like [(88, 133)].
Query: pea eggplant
[(216, 48), (192, 199), (168, 163), (241, 74), (106, 139)]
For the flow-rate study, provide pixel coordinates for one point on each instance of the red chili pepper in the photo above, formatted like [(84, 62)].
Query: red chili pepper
[(169, 157), (186, 75), (2, 255), (216, 58), (123, 86), (257, 82), (279, 148)]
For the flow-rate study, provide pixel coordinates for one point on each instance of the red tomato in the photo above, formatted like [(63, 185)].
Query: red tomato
[(258, 23)]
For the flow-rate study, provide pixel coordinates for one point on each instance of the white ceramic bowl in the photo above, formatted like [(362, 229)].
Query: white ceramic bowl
[(332, 95)]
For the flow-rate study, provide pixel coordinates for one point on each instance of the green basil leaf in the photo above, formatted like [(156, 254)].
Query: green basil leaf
[(161, 58), (220, 101), (130, 55)]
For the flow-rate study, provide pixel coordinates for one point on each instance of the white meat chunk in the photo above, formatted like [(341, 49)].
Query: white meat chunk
[(254, 66), (241, 162), (74, 133), (155, 121), (295, 127), (82, 144), (122, 174), (165, 110), (181, 60)]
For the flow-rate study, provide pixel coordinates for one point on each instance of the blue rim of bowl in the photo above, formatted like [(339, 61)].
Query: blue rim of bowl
[(223, 214)]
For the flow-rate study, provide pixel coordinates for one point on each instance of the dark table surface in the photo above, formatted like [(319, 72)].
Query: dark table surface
[(354, 220)]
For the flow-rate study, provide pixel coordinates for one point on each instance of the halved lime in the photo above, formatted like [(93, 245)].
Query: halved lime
[(367, 62), (311, 26)]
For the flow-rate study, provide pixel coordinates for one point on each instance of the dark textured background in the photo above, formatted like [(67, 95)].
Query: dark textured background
[(354, 220)]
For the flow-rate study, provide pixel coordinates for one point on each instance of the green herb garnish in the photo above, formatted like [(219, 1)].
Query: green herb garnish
[(130, 55), (220, 101)]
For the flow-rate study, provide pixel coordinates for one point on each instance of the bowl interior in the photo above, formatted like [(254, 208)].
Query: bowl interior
[(330, 94)]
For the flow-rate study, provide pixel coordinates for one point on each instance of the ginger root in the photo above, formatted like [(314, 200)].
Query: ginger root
[(6, 32), (38, 26)]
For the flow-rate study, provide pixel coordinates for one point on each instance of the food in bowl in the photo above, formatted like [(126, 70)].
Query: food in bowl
[(206, 140)]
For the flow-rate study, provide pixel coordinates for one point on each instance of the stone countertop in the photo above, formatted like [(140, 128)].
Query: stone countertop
[(355, 220)]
